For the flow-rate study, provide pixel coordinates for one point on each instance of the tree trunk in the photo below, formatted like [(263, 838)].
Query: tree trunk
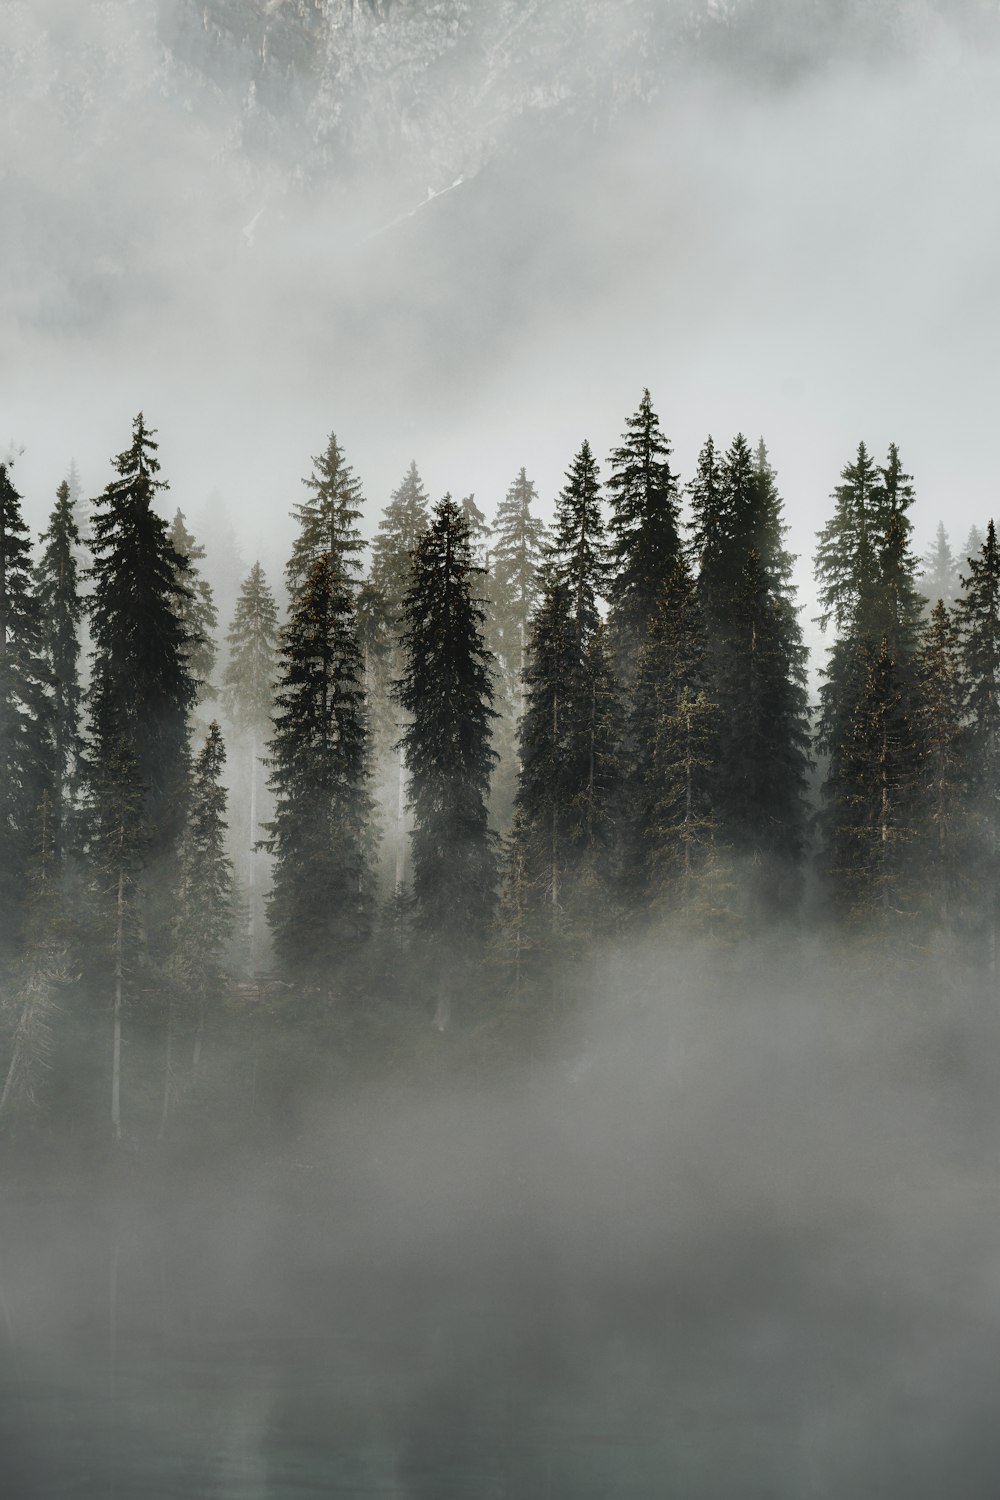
[(252, 882), (400, 814), (168, 1066), (116, 1047)]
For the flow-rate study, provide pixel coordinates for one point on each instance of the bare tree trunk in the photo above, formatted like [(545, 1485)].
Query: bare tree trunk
[(252, 882), (198, 1036), (116, 1047), (400, 813), (168, 1069)]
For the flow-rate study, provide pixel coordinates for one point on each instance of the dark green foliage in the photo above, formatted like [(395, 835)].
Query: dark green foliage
[(668, 817), (757, 670), (327, 520), (320, 908), (57, 586), (578, 548), (196, 605), (873, 784), (569, 744), (943, 772), (142, 688), (205, 905), (646, 546), (27, 760), (446, 687), (479, 531), (870, 699), (978, 620)]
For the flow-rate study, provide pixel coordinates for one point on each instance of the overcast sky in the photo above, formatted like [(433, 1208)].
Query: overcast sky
[(815, 263)]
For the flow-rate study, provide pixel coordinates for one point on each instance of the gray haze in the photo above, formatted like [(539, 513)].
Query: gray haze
[(778, 217), (732, 1233)]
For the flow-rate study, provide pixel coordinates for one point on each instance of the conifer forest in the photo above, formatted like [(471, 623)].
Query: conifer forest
[(500, 755)]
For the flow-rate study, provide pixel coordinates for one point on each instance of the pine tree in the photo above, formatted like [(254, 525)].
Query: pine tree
[(321, 901), (446, 688), (26, 752), (519, 540), (757, 670), (196, 608), (142, 687), (870, 704), (939, 576), (61, 611), (518, 550), (874, 783), (479, 532), (248, 696), (673, 734), (646, 543), (578, 549), (978, 618), (327, 521), (205, 908), (942, 775), (403, 524)]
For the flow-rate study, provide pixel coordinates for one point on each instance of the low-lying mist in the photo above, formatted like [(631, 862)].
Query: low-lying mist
[(728, 1227)]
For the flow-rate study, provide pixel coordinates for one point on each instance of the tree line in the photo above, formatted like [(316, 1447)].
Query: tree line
[(455, 772)]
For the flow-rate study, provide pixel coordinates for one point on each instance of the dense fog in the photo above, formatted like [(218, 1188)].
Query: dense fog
[(499, 915)]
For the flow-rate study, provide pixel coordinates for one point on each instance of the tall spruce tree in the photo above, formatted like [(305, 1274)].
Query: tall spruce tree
[(646, 543), (327, 521), (205, 908), (939, 573), (578, 548), (757, 670), (513, 585), (942, 813), (142, 687), (668, 813), (978, 619), (196, 606), (61, 611), (866, 571), (27, 761), (403, 523), (321, 902), (248, 697), (447, 690)]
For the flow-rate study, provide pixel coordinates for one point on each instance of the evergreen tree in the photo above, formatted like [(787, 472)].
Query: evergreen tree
[(403, 524), (874, 784), (142, 687), (673, 733), (978, 618), (518, 549), (646, 544), (205, 907), (320, 904), (248, 696), (757, 669), (446, 688), (569, 748), (196, 608), (578, 548), (327, 520), (939, 576), (942, 776), (26, 754), (479, 532), (519, 539), (60, 608)]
